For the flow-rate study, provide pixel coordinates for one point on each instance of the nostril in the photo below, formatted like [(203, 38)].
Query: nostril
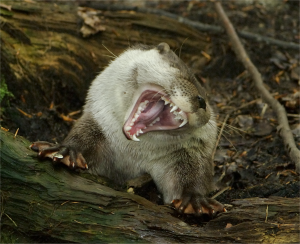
[(202, 103)]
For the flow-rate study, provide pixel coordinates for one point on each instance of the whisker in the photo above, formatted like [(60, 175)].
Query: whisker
[(113, 57), (181, 47), (230, 142), (225, 131), (235, 129), (219, 136), (164, 90), (109, 51)]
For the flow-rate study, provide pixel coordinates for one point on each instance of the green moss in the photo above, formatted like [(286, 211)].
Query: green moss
[(4, 93), (5, 12), (4, 90)]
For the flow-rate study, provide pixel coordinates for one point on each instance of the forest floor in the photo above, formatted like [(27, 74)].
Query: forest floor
[(250, 159)]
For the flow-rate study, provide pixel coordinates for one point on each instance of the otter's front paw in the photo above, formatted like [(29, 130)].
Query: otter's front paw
[(198, 204), (59, 154)]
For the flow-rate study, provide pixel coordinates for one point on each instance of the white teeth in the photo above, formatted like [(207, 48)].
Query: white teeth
[(182, 115), (134, 138), (183, 123), (166, 100), (173, 109), (127, 128), (142, 105), (176, 115)]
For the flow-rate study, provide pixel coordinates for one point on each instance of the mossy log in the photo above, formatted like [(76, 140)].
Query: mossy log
[(58, 205)]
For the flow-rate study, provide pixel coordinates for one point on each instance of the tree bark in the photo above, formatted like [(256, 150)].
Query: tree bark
[(59, 205)]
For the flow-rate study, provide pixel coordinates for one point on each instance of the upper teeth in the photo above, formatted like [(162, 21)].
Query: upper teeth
[(178, 116), (166, 100), (173, 109)]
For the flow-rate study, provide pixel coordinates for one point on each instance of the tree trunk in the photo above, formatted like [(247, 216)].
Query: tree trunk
[(44, 59), (53, 204)]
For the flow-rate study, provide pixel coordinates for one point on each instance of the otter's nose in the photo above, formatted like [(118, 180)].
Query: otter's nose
[(201, 102)]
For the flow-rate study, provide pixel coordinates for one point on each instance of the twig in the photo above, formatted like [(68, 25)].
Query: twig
[(220, 192), (283, 127), (16, 133), (267, 211), (11, 220), (195, 24), (268, 40)]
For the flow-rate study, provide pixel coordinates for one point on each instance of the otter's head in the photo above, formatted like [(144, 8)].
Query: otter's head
[(148, 89), (162, 94)]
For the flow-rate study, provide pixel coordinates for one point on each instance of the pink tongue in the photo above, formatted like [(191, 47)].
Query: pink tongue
[(151, 112)]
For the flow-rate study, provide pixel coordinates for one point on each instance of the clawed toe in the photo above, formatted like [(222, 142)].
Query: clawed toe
[(59, 154), (198, 206), (40, 145)]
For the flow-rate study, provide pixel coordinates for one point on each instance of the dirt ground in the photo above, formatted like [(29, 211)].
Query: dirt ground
[(250, 160)]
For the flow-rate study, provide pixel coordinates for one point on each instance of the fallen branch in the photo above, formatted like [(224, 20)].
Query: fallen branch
[(283, 127), (195, 24), (58, 206)]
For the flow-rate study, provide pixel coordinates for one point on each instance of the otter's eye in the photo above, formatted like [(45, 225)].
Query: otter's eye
[(202, 103)]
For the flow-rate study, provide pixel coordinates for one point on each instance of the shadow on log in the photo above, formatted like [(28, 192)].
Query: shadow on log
[(54, 204)]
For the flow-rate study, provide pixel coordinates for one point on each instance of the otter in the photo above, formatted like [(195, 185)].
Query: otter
[(146, 113)]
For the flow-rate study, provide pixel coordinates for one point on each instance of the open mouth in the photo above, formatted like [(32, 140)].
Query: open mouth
[(153, 111)]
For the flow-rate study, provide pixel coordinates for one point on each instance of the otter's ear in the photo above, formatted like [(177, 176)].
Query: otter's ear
[(163, 48)]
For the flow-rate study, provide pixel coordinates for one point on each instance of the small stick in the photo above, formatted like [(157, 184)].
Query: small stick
[(283, 127), (11, 220), (220, 192), (267, 211), (16, 133)]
